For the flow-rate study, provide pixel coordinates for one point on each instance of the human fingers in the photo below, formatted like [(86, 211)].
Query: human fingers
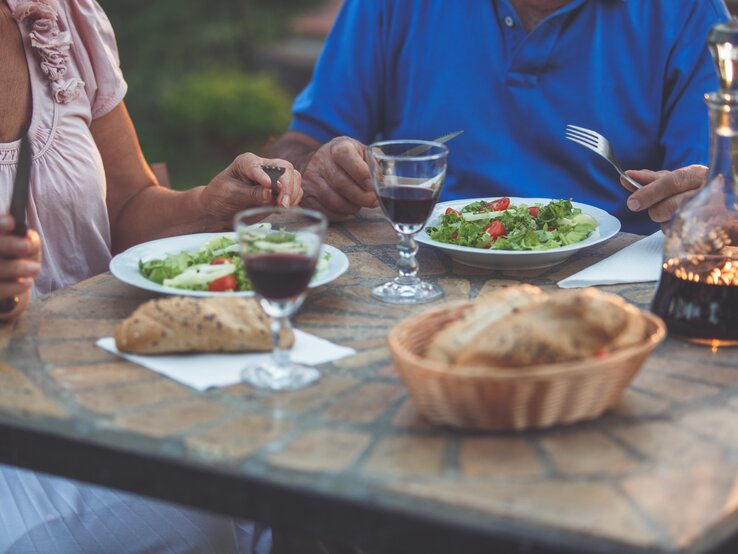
[(667, 184), (290, 187), (12, 246), (663, 211), (642, 176), (35, 239), (345, 186), (17, 287), (7, 223), (247, 168), (348, 154), (19, 268), (327, 165), (322, 196)]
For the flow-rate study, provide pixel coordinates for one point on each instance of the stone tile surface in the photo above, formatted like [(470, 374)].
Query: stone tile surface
[(323, 450), (173, 418), (19, 394), (127, 396), (406, 456), (501, 457)]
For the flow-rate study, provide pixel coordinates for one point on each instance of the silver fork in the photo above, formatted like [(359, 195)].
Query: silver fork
[(597, 143)]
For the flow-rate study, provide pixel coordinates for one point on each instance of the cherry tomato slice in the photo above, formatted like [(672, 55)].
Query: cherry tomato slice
[(221, 260), (495, 229), (533, 211), (223, 284), (499, 205), (451, 211)]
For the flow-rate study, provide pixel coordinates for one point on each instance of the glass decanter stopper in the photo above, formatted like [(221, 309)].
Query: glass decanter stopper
[(697, 295)]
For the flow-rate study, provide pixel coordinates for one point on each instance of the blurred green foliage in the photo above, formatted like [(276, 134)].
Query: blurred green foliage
[(196, 94), (227, 107)]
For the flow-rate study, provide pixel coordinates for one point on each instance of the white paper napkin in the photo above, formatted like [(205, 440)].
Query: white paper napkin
[(202, 371), (638, 263)]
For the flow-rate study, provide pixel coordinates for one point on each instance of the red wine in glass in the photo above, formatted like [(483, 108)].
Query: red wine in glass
[(407, 205), (407, 177), (280, 280), (277, 276)]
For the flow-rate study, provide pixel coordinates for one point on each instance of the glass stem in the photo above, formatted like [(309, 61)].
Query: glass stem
[(280, 355), (407, 265)]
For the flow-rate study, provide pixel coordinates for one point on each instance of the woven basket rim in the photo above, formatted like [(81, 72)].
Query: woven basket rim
[(656, 335)]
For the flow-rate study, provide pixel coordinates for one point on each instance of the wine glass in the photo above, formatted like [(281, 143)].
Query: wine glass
[(280, 256), (407, 177)]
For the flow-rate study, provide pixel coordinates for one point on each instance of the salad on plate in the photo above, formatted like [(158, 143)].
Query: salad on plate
[(499, 225), (217, 265)]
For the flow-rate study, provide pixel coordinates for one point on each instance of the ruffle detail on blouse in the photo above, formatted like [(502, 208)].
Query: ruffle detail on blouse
[(51, 45)]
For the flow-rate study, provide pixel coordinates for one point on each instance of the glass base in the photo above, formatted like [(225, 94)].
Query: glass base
[(399, 293), (288, 377)]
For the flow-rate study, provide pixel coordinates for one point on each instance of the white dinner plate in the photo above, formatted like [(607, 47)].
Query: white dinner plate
[(125, 265), (608, 226)]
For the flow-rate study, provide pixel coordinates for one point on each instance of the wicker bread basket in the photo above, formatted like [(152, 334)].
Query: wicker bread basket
[(511, 398)]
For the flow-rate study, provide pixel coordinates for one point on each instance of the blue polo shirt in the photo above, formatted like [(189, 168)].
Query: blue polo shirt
[(634, 70)]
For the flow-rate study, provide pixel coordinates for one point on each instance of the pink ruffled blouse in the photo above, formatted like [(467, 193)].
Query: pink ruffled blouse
[(75, 77)]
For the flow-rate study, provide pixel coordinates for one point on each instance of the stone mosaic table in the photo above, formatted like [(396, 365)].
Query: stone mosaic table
[(350, 459)]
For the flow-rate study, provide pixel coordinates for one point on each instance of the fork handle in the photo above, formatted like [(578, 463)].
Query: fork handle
[(633, 182)]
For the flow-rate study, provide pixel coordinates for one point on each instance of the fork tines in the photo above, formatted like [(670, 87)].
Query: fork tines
[(580, 133), (273, 168), (585, 137)]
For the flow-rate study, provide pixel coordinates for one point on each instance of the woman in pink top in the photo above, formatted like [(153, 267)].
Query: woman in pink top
[(92, 193)]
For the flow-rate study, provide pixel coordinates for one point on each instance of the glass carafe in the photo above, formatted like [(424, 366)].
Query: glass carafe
[(698, 293)]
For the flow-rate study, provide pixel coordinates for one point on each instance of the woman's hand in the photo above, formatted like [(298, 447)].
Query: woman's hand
[(140, 210), (20, 263), (244, 184)]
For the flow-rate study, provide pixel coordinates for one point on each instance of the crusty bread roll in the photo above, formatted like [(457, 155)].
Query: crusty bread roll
[(523, 326), (185, 324), (457, 337), (566, 326)]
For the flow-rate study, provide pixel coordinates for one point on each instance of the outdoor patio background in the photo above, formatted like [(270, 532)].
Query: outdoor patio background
[(209, 79)]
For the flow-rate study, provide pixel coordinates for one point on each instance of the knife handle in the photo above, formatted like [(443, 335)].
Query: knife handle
[(21, 229)]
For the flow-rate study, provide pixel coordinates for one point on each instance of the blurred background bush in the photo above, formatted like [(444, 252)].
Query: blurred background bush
[(211, 79)]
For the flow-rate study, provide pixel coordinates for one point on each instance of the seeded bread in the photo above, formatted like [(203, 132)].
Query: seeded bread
[(185, 324)]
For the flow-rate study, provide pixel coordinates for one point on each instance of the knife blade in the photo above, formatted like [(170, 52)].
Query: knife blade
[(19, 201), (417, 150)]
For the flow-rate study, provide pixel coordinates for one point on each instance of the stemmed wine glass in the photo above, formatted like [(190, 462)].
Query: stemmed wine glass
[(279, 271), (407, 177)]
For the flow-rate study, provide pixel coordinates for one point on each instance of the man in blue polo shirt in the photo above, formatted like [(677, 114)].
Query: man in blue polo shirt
[(512, 74)]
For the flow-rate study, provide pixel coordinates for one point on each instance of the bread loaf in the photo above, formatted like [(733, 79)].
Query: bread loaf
[(472, 327), (185, 324), (523, 326)]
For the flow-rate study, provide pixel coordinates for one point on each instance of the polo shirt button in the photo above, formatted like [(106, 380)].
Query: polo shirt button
[(509, 21)]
